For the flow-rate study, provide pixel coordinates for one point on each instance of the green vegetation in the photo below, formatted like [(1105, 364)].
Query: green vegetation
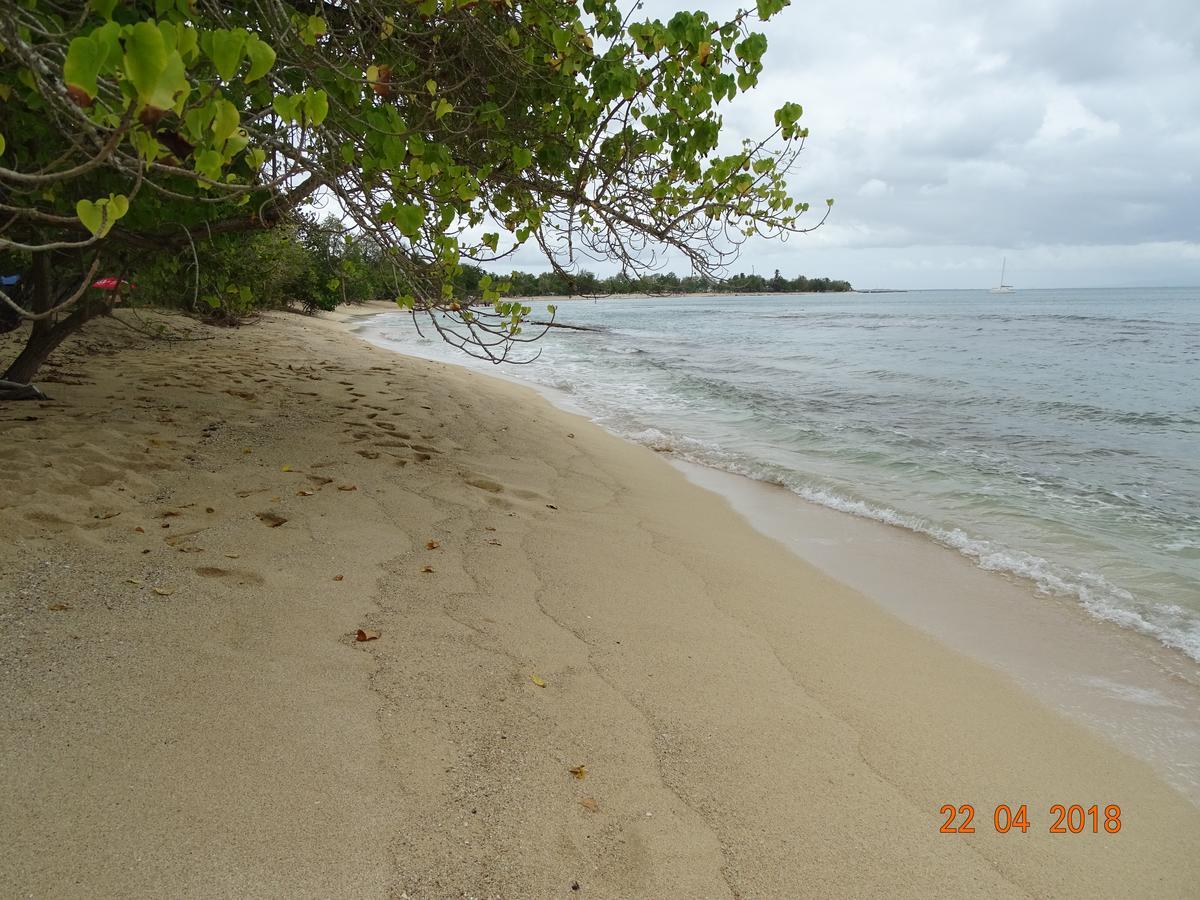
[(178, 143), (547, 284)]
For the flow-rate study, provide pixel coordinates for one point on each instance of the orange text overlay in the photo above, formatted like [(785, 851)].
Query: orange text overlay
[(1061, 819)]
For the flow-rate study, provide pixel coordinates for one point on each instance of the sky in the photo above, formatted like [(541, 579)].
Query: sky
[(1063, 135)]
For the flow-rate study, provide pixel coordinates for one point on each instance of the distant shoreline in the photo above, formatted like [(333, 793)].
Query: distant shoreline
[(572, 298)]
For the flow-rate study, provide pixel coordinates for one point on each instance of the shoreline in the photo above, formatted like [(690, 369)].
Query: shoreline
[(1127, 687), (746, 725)]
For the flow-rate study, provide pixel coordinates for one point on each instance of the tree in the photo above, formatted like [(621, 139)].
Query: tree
[(444, 132)]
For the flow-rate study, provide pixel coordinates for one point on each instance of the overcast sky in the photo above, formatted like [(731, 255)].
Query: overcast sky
[(1063, 134)]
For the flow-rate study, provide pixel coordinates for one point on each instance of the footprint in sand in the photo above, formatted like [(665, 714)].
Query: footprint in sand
[(484, 484), (240, 576)]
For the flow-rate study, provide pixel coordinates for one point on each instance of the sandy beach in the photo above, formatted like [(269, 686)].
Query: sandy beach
[(590, 677)]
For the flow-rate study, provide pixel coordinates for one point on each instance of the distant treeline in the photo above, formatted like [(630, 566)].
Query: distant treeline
[(527, 284)]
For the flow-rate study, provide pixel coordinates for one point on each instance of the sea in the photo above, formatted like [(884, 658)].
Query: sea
[(1052, 436)]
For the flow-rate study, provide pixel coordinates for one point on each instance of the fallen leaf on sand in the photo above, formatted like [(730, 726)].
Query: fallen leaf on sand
[(537, 680), (58, 607), (339, 577), (433, 545), (209, 509), (571, 435), (427, 569), (108, 514), (134, 580), (285, 468), (233, 555), (579, 772), (246, 450), (305, 493), (164, 592), (170, 513), (140, 530), (364, 635), (271, 519), (347, 487), (589, 804), (489, 528), (551, 506), (494, 542)]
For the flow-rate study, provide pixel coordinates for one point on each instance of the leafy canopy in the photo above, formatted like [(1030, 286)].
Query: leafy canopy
[(445, 132)]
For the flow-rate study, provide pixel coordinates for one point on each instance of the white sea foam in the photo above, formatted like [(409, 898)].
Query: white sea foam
[(1172, 626)]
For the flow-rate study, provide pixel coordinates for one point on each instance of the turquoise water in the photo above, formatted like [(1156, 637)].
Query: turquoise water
[(1050, 435)]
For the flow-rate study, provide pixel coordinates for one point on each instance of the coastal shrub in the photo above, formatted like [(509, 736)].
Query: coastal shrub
[(443, 134)]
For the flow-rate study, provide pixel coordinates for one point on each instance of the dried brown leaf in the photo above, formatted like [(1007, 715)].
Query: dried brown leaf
[(590, 804), (364, 634), (58, 607), (433, 545), (579, 772), (271, 519)]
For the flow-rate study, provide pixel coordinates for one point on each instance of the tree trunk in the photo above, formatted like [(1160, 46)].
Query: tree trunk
[(46, 334)]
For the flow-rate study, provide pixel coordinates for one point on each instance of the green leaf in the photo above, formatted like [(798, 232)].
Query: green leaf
[(521, 157), (768, 8), (262, 58), (287, 107), (441, 108), (91, 215), (82, 66), (1, 145), (408, 217), (316, 106), (145, 57), (208, 163), (226, 120), (118, 205), (226, 50)]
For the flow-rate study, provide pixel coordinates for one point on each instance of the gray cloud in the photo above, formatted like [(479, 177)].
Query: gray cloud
[(1064, 134)]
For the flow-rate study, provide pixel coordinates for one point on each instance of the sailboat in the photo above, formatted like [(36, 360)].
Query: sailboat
[(1003, 288)]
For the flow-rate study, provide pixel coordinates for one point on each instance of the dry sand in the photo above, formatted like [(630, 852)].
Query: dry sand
[(185, 711)]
